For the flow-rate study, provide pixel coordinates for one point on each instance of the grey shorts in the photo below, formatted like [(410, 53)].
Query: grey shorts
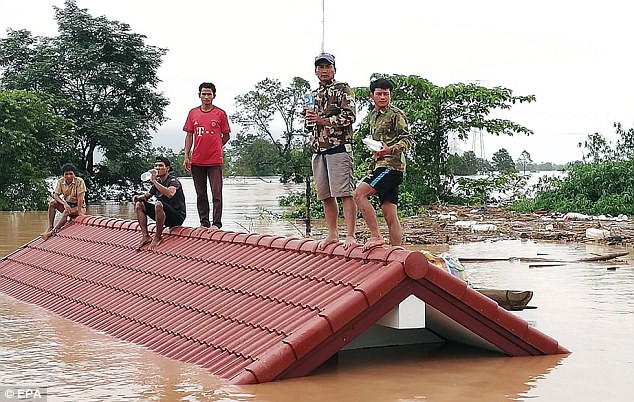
[(333, 174)]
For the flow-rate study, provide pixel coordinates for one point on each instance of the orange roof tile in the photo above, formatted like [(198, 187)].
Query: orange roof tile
[(250, 308)]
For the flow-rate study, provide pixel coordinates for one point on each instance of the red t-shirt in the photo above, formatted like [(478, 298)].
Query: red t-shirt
[(207, 128)]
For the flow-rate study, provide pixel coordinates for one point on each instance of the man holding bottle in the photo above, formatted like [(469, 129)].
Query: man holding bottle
[(331, 125), (169, 209)]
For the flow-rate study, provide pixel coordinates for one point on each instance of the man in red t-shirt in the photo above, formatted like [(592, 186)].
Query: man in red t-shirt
[(207, 130)]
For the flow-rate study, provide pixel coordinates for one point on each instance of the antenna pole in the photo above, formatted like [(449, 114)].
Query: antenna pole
[(323, 20)]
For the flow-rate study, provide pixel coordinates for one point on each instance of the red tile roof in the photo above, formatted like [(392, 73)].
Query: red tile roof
[(250, 308)]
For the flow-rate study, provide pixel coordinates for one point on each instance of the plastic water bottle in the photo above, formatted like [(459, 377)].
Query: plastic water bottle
[(309, 103), (372, 144), (147, 175)]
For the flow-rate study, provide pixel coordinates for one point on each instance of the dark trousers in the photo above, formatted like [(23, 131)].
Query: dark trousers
[(200, 175)]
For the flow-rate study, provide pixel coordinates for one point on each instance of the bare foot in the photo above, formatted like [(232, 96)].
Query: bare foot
[(47, 234), (143, 242), (328, 240), (372, 243), (155, 243), (350, 241), (212, 228)]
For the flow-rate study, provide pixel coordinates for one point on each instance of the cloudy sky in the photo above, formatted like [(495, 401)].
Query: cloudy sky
[(572, 55)]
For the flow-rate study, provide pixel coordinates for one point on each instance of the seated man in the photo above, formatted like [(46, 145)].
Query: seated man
[(169, 209), (68, 199)]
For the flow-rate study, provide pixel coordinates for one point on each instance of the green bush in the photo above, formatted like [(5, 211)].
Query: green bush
[(603, 187)]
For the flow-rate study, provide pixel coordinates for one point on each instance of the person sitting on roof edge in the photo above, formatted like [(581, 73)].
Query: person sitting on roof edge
[(169, 209), (68, 198)]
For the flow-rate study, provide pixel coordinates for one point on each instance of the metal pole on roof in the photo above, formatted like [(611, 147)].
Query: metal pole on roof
[(323, 21)]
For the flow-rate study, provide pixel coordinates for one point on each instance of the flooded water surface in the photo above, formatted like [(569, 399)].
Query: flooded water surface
[(587, 307)]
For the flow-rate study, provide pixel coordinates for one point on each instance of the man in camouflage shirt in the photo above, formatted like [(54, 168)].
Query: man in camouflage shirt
[(389, 126), (331, 121)]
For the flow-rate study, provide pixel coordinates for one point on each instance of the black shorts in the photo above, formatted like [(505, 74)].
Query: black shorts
[(385, 182), (172, 217)]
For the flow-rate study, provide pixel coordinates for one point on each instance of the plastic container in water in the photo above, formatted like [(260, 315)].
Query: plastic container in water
[(464, 224), (597, 233), (372, 144), (484, 227)]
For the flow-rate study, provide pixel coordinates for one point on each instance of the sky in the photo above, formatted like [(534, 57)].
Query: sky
[(572, 55)]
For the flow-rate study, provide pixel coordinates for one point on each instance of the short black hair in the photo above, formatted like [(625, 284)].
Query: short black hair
[(209, 85), (381, 83), (69, 167)]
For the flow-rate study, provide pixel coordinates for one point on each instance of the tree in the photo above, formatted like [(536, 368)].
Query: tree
[(502, 161), (467, 164), (433, 113), (102, 76), (260, 113), (524, 159), (597, 147), (251, 155), (625, 143), (33, 145)]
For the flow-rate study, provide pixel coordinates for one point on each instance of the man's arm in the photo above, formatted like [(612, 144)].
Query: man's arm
[(189, 140), (402, 135), (166, 191), (142, 197)]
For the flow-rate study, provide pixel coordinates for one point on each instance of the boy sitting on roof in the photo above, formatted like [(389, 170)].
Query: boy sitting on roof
[(68, 199)]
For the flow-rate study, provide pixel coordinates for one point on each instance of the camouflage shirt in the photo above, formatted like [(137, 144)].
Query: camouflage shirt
[(389, 125), (334, 102)]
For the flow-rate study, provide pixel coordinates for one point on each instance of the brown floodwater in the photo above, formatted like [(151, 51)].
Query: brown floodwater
[(587, 307)]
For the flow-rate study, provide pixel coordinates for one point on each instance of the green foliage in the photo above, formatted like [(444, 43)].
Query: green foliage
[(467, 164), (101, 76), (524, 161), (502, 161), (262, 147), (250, 155), (603, 187), (494, 188), (598, 148), (433, 112), (296, 201), (121, 179), (34, 143)]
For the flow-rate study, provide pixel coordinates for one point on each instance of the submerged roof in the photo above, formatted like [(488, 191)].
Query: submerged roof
[(250, 308)]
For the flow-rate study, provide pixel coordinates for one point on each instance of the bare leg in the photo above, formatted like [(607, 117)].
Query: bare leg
[(65, 217), (160, 224), (361, 195), (53, 207), (331, 211), (139, 209), (350, 216), (393, 224)]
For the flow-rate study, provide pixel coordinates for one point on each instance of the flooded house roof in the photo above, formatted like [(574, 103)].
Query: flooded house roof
[(250, 308)]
